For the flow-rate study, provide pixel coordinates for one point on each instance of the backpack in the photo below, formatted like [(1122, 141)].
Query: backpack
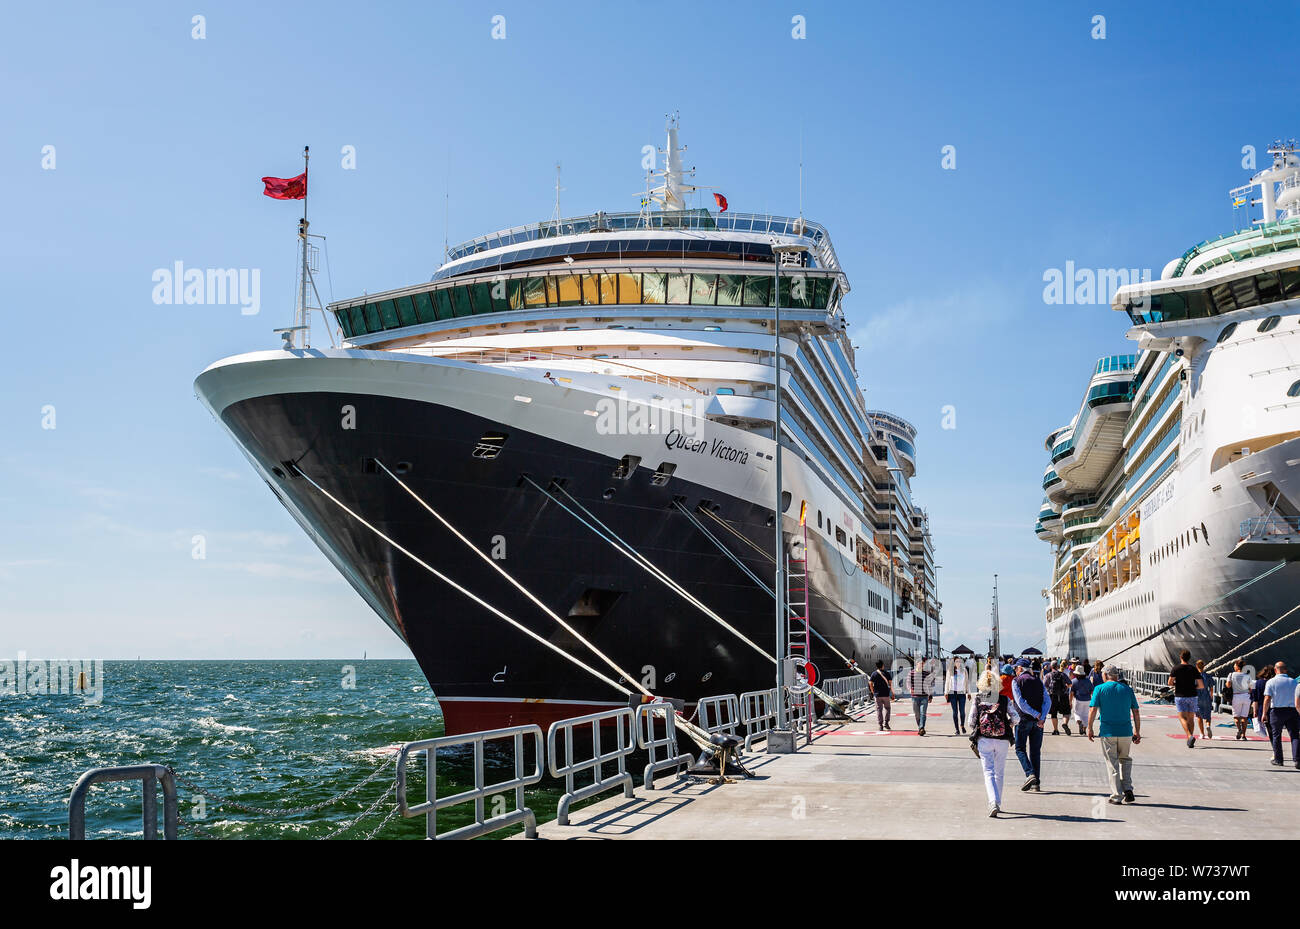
[(991, 722), (1060, 684)]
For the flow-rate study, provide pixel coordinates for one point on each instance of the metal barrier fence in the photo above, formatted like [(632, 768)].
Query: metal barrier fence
[(757, 714), (624, 722), (648, 718), (482, 824), (719, 714), (150, 775)]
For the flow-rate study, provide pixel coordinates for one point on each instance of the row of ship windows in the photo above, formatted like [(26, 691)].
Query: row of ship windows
[(798, 291), (1128, 604), (1242, 293), (1179, 542)]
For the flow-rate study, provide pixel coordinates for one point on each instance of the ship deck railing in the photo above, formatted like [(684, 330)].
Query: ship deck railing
[(490, 356), (1262, 527)]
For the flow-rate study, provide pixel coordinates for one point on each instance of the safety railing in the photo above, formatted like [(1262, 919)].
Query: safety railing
[(719, 714), (568, 767), (757, 714), (150, 775), (493, 355), (652, 719), (1260, 527), (481, 790)]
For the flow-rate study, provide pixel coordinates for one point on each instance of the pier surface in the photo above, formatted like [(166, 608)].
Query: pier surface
[(853, 782)]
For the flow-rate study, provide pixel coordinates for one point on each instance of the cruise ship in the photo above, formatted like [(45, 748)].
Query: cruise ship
[(551, 468), (1173, 495)]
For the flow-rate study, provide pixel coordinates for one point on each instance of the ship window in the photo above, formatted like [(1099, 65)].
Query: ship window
[(725, 391), (840, 537), (730, 289), (704, 289), (460, 301), (629, 288), (591, 289), (424, 307), (1293, 390), (387, 314), (679, 288), (570, 290), (1226, 334), (405, 311), (535, 291), (608, 288), (819, 519), (654, 288), (357, 316), (372, 318), (1270, 323), (626, 467), (514, 294), (758, 291), (552, 291)]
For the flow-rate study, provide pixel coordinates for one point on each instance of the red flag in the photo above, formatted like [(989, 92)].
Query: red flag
[(286, 188), (722, 202)]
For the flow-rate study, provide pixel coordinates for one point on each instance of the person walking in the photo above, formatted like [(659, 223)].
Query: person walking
[(882, 689), (1057, 683), (992, 721), (956, 687), (1186, 682), (1280, 707), (1081, 695), (1007, 676), (920, 683), (1257, 701), (1239, 681), (1115, 704), (1095, 677), (1205, 702), (1033, 703)]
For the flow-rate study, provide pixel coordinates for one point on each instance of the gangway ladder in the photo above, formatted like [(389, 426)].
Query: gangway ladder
[(798, 634)]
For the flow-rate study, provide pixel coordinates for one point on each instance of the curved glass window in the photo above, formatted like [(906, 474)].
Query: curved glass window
[(1270, 323), (1237, 294), (1293, 390), (629, 288), (654, 288), (1226, 334)]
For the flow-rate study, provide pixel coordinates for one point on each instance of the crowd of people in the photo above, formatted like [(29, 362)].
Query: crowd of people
[(1005, 708)]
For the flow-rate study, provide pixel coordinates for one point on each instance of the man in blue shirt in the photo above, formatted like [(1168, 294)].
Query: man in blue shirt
[(1114, 703), (1034, 702), (1280, 708)]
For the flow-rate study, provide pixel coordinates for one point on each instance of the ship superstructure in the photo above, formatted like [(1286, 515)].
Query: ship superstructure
[(559, 383), (1175, 487)]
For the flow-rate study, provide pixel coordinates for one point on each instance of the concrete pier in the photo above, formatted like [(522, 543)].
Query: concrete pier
[(854, 782)]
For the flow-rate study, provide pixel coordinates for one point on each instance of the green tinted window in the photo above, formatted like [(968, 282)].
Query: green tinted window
[(460, 301), (822, 298), (357, 315), (654, 288), (679, 288), (387, 314), (405, 311), (730, 289), (442, 300), (372, 318), (758, 290), (424, 307)]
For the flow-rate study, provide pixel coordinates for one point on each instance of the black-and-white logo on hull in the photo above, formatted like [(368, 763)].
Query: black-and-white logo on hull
[(716, 448)]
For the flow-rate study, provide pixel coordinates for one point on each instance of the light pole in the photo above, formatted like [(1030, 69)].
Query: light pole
[(781, 739)]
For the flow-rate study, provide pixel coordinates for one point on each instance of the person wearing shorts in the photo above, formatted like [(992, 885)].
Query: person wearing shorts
[(1081, 693), (1186, 682), (1241, 682)]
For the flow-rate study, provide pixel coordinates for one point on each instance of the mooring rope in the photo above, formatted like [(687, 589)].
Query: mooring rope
[(1236, 652), (491, 562), (470, 594)]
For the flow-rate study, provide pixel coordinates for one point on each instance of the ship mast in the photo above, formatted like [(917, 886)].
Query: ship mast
[(670, 194)]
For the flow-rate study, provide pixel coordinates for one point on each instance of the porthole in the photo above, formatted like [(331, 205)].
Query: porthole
[(1226, 334), (1293, 390), (1269, 323)]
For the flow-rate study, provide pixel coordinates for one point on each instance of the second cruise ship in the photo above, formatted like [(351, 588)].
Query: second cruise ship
[(551, 469), (1173, 495)]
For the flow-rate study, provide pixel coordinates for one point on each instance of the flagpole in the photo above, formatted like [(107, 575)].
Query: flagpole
[(302, 232)]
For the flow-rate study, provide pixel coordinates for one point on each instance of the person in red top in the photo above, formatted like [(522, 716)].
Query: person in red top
[(1008, 674)]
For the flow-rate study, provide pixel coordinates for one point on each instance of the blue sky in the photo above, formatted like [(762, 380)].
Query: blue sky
[(1114, 152)]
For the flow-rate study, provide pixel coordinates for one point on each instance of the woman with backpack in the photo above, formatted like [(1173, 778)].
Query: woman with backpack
[(992, 723)]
